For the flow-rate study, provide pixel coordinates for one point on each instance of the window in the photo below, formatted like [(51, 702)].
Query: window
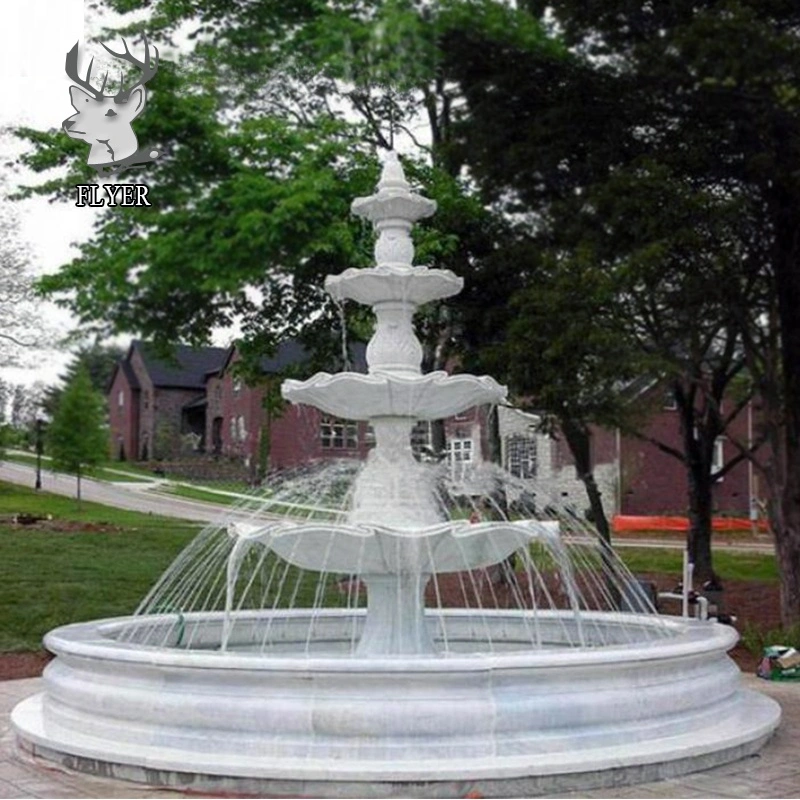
[(233, 429), (146, 399), (240, 429), (521, 456), (669, 403), (718, 457), (421, 437), (338, 433), (459, 457), (237, 386), (121, 398)]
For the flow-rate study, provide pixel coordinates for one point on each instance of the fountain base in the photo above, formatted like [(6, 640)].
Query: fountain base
[(509, 722)]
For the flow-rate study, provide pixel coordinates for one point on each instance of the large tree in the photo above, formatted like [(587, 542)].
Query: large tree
[(703, 95), (267, 130)]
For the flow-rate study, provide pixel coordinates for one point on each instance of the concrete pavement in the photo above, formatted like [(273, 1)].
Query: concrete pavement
[(774, 772), (131, 496)]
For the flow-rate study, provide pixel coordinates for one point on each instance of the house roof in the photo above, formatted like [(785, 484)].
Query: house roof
[(292, 353), (126, 369), (187, 369)]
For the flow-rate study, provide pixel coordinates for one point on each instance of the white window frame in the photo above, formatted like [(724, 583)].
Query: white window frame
[(460, 456), (718, 456), (338, 434), (522, 457)]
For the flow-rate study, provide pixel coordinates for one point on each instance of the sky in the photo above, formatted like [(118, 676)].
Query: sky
[(35, 36)]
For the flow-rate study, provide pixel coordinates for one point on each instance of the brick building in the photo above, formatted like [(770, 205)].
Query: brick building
[(634, 475), (156, 404), (264, 433), (196, 405)]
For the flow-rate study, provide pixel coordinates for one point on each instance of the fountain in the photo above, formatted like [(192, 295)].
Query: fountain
[(226, 680)]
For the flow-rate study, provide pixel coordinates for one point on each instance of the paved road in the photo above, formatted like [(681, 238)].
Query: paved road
[(138, 497), (132, 496)]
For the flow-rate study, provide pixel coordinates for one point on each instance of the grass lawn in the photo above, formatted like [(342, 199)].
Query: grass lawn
[(196, 493), (760, 567), (49, 578)]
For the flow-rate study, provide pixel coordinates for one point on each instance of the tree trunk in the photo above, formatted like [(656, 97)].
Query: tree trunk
[(579, 441), (700, 514), (493, 435), (786, 525), (786, 501)]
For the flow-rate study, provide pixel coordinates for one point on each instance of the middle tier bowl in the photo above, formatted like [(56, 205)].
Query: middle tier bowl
[(353, 395)]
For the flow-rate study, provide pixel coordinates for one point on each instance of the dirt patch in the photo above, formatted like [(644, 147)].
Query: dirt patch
[(23, 665), (754, 604), (29, 522)]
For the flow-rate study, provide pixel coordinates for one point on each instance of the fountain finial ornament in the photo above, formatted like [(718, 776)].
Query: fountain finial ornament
[(393, 210)]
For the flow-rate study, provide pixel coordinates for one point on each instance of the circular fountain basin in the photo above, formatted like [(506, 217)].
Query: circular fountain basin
[(311, 719)]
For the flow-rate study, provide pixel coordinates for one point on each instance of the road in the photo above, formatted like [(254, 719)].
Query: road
[(138, 497), (132, 496)]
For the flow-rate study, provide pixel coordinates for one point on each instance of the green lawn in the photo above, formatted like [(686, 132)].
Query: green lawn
[(49, 578), (196, 493), (729, 565)]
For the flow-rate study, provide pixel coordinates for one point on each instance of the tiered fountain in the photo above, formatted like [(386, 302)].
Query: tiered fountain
[(226, 693)]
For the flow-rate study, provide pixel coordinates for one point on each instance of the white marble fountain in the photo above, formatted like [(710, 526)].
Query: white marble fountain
[(205, 689)]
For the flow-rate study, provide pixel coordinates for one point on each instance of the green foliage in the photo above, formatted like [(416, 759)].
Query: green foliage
[(77, 438), (755, 639), (268, 130), (97, 359)]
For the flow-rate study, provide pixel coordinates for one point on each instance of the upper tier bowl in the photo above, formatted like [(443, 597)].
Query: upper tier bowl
[(353, 395)]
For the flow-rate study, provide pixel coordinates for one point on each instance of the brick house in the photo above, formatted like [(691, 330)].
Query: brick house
[(157, 405), (634, 476), (275, 435), (197, 405), (653, 482)]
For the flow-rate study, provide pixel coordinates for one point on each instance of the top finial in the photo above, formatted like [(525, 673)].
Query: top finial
[(394, 198), (392, 176)]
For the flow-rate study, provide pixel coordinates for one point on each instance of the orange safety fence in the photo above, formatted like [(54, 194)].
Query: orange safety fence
[(622, 523)]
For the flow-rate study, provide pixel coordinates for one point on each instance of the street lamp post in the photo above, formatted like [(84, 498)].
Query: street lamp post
[(39, 448)]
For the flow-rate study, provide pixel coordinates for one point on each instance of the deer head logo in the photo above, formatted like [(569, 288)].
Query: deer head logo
[(104, 121)]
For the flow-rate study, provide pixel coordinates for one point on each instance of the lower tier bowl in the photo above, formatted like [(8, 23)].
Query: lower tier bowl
[(310, 721)]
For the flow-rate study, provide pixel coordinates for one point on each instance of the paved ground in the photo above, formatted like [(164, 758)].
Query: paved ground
[(132, 496), (775, 772)]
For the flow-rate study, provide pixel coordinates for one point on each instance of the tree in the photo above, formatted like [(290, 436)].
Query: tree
[(77, 437), (20, 323), (97, 359), (702, 92)]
